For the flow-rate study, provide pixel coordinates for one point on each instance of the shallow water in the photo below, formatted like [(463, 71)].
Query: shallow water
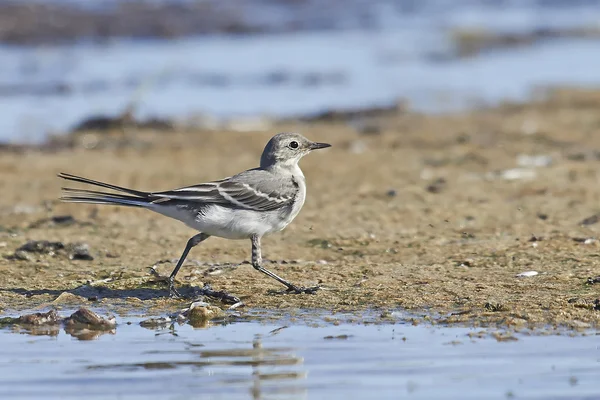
[(297, 360), (407, 54)]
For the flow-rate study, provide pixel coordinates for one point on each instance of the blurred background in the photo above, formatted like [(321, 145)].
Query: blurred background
[(67, 63)]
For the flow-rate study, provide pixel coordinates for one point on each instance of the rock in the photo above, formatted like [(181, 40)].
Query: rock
[(22, 255), (85, 318), (49, 318), (204, 313), (41, 246), (437, 185), (80, 251), (57, 220), (592, 281), (76, 251), (68, 298), (590, 220)]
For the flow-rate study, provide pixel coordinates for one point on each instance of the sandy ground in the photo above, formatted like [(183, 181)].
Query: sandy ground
[(435, 215)]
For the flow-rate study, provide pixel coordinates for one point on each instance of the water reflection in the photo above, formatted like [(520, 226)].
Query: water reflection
[(259, 376), (248, 359), (83, 324), (269, 367), (48, 330)]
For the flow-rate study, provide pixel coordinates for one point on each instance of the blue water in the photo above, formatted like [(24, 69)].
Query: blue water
[(262, 361), (406, 54)]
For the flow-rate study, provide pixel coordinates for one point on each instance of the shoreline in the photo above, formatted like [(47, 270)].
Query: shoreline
[(406, 212)]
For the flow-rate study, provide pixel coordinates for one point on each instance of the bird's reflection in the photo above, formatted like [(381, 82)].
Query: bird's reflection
[(259, 378)]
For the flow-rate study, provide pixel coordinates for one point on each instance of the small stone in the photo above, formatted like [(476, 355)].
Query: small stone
[(90, 320), (590, 220), (504, 337), (515, 174), (22, 255), (49, 318), (527, 274), (204, 313), (593, 281), (63, 220), (437, 185), (584, 240), (525, 160), (41, 246), (68, 298), (338, 337), (80, 251)]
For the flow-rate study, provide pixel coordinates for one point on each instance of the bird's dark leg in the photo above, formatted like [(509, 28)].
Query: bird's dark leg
[(194, 241), (257, 264)]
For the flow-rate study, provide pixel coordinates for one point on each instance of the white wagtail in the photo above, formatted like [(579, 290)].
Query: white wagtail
[(248, 205)]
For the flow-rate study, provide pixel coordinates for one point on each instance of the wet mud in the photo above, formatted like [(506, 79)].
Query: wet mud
[(483, 218)]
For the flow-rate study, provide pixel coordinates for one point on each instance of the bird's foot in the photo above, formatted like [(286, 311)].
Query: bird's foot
[(173, 293), (301, 289)]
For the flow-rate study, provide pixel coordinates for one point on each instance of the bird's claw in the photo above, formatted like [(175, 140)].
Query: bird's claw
[(173, 293)]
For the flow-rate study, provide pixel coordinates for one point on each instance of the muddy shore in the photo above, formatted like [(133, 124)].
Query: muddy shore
[(435, 215)]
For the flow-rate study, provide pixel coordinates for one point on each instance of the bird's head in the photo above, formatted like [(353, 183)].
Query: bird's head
[(287, 149)]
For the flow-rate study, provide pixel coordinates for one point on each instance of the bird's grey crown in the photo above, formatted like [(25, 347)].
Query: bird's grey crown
[(278, 151)]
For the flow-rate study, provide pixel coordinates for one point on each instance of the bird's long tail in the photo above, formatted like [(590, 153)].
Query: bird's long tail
[(133, 198)]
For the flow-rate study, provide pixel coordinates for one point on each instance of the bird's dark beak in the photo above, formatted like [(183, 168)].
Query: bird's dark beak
[(316, 146)]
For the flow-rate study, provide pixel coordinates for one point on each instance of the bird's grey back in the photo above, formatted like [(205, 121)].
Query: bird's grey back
[(271, 184)]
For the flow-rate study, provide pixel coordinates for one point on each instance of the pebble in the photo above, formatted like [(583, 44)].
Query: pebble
[(525, 160), (527, 274), (91, 320), (80, 251), (49, 318), (204, 313), (515, 174), (23, 256)]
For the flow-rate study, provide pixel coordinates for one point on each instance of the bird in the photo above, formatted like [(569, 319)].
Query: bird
[(249, 205)]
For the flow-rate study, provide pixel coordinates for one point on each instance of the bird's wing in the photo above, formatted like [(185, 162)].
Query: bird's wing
[(253, 191)]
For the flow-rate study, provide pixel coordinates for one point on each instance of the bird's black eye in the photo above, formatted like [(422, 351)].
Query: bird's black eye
[(293, 145)]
